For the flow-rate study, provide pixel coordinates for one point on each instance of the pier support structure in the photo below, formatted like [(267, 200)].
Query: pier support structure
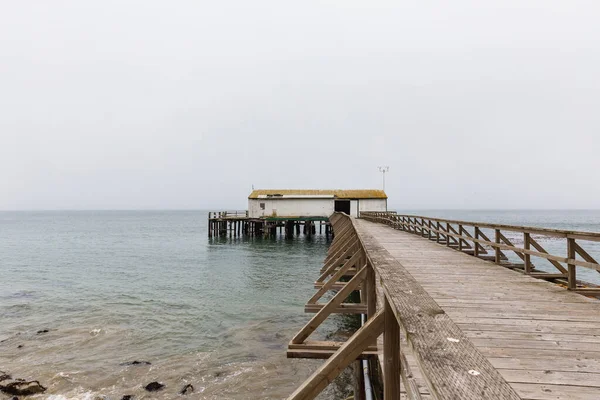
[(397, 310), (238, 224)]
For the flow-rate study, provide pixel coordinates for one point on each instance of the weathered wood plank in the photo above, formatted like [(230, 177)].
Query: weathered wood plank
[(444, 353), (547, 376), (511, 335), (550, 364), (535, 344), (532, 391), (529, 330)]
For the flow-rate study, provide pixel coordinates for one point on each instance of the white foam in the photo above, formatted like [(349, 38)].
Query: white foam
[(82, 396)]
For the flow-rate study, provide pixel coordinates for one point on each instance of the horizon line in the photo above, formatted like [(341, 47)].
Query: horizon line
[(234, 209)]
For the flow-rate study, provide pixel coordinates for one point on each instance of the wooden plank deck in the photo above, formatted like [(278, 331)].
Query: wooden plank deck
[(543, 339)]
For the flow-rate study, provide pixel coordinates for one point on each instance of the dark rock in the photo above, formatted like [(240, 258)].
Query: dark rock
[(136, 362), (4, 376), (154, 386), (43, 331), (127, 397), (20, 346), (15, 398), (23, 388), (187, 389)]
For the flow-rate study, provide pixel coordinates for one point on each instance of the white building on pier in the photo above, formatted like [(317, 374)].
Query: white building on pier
[(288, 203)]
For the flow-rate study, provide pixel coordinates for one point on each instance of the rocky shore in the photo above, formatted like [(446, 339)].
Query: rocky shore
[(20, 387)]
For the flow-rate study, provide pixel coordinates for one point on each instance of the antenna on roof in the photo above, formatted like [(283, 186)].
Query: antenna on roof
[(253, 186), (383, 170)]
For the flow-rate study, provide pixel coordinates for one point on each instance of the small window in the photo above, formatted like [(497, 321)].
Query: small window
[(262, 206)]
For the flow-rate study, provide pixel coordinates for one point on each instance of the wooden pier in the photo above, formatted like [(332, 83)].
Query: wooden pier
[(238, 223), (453, 314)]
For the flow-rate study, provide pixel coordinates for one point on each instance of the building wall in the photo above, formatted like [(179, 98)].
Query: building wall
[(291, 207), (354, 208), (372, 205), (309, 207)]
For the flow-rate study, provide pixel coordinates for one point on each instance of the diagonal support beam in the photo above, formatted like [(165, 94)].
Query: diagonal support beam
[(340, 240), (325, 374), (508, 242), (333, 304), (328, 268), (484, 237), (339, 245), (480, 249), (585, 255), (539, 248), (336, 277)]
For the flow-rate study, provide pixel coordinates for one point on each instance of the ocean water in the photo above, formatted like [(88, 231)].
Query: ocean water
[(112, 287), (117, 286)]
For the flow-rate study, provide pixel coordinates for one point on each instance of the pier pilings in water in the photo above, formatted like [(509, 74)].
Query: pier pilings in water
[(238, 224)]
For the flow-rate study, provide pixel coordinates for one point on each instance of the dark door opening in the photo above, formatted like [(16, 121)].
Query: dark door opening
[(342, 206)]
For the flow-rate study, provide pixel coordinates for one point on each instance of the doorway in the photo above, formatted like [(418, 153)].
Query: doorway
[(342, 206)]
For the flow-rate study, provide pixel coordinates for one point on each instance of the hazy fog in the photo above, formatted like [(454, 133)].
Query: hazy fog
[(187, 104)]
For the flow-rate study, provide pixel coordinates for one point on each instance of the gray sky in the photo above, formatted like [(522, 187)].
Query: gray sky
[(186, 104)]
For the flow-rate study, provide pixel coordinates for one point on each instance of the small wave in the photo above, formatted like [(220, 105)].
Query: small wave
[(79, 396)]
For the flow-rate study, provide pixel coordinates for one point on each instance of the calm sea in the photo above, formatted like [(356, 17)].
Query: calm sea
[(112, 287)]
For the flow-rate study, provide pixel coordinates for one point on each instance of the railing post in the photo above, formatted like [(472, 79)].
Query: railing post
[(437, 233), (391, 354), (460, 241), (572, 271), (429, 233), (527, 256), (371, 292), (475, 244), (497, 248), (448, 235)]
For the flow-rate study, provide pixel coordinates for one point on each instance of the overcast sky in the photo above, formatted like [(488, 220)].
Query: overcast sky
[(187, 104)]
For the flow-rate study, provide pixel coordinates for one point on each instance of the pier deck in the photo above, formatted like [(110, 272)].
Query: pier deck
[(544, 340), (450, 325)]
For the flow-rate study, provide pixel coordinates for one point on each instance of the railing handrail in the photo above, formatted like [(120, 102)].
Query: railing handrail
[(222, 214), (461, 237), (569, 234)]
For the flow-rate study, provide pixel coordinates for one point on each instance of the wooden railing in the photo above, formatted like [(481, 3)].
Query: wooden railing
[(227, 214), (395, 304), (471, 238)]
